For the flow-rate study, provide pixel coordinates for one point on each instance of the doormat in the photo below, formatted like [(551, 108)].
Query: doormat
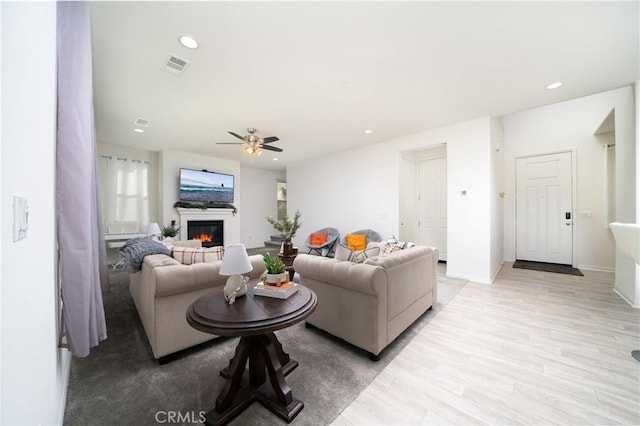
[(547, 267)]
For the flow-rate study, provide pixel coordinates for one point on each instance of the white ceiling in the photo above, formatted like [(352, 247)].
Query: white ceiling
[(318, 74)]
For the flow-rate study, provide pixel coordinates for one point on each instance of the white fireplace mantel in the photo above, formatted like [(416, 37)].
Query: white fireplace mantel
[(231, 223)]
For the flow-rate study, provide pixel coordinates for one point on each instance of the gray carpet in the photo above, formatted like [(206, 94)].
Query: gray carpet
[(121, 383)]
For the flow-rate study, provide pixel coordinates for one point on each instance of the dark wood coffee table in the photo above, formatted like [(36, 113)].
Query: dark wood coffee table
[(254, 319)]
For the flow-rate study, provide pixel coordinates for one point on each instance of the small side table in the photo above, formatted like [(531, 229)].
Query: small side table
[(288, 263), (254, 319)]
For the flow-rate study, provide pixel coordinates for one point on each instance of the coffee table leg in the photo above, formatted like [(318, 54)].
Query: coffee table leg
[(265, 356), (236, 370), (288, 365), (285, 406)]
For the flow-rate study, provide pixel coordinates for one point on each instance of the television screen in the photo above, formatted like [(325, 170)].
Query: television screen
[(200, 185)]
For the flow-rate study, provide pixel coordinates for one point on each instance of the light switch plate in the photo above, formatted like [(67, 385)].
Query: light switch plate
[(20, 218)]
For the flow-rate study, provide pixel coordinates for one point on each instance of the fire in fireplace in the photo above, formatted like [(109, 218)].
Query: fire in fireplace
[(209, 232)]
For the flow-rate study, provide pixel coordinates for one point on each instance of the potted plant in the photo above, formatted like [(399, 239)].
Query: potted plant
[(276, 271), (170, 231), (288, 227)]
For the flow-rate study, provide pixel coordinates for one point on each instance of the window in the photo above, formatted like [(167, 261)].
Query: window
[(281, 196), (125, 193)]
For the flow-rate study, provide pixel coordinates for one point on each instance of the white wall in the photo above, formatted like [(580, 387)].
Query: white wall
[(34, 371), (1, 209), (567, 126), (258, 197), (469, 216), (358, 189), (496, 189), (170, 162)]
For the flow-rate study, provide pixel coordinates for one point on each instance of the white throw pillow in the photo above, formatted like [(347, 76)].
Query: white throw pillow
[(345, 253), (362, 255), (387, 248)]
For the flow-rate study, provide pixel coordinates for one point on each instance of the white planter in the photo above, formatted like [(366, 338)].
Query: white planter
[(275, 278)]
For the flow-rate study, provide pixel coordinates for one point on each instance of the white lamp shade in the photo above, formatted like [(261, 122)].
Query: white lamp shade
[(153, 229), (235, 260)]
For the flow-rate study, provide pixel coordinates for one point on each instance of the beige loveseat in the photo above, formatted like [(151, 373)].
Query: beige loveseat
[(163, 290), (369, 304)]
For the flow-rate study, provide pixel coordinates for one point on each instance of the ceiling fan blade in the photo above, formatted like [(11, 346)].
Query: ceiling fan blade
[(271, 148), (229, 143), (270, 139), (237, 136)]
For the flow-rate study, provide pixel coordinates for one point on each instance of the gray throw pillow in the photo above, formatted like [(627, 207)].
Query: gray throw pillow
[(135, 250)]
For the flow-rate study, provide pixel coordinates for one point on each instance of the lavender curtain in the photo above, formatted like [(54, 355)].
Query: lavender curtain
[(82, 254)]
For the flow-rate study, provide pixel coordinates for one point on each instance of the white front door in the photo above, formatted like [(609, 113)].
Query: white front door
[(432, 204), (544, 216)]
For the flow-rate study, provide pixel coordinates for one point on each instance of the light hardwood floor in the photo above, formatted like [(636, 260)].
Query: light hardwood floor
[(533, 348)]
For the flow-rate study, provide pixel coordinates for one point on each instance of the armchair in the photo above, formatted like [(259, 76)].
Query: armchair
[(328, 248), (372, 236)]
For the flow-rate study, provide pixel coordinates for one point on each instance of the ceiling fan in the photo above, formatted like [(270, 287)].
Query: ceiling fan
[(252, 144)]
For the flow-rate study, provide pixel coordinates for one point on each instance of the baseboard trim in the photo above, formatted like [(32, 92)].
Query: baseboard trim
[(470, 279), (65, 358), (623, 297), (493, 278), (596, 268)]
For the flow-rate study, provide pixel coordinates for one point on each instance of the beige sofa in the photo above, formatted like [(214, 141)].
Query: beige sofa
[(163, 290), (369, 304)]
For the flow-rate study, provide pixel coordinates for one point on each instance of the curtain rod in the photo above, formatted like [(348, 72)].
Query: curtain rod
[(109, 157)]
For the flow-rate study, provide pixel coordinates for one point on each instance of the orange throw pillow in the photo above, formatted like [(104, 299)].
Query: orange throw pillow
[(318, 239), (356, 242)]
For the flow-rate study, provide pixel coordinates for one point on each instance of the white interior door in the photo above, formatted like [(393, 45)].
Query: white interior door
[(544, 217), (432, 204), (407, 193)]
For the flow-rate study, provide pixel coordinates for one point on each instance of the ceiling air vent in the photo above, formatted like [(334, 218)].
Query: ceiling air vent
[(175, 65), (142, 122)]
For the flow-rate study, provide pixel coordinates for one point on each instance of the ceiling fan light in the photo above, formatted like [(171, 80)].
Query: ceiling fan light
[(249, 150)]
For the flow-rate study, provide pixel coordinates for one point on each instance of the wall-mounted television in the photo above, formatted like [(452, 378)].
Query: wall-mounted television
[(202, 185)]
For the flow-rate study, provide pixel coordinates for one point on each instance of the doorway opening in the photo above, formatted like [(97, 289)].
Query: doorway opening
[(423, 198)]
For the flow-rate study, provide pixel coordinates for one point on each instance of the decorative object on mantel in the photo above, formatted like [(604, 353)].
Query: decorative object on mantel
[(287, 227), (171, 230), (235, 263), (205, 205)]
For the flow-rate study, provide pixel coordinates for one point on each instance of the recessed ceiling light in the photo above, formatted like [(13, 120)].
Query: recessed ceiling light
[(368, 132), (188, 41), (555, 85), (138, 130), (275, 158)]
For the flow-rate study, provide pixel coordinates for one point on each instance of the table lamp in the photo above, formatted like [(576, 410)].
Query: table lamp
[(235, 263), (153, 229)]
